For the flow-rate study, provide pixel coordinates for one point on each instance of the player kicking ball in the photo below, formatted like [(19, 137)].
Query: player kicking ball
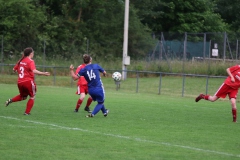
[(91, 73)]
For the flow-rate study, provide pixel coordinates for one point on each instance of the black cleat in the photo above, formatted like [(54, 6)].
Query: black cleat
[(201, 96), (8, 102), (105, 114), (87, 109), (76, 110), (90, 115)]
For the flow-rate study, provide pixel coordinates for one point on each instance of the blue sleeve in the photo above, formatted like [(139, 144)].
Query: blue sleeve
[(80, 73), (100, 69)]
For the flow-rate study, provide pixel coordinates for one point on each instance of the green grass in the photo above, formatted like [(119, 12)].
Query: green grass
[(139, 126)]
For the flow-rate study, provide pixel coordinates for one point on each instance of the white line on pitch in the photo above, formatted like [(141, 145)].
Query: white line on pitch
[(126, 137)]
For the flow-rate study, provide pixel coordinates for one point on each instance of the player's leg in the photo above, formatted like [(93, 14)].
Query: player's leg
[(89, 101), (234, 109), (20, 97), (104, 111), (97, 108), (99, 95), (32, 89), (233, 96), (81, 98), (221, 92)]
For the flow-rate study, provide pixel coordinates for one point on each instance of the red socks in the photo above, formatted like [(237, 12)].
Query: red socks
[(79, 102), (206, 97), (17, 98), (89, 101), (30, 104), (234, 114)]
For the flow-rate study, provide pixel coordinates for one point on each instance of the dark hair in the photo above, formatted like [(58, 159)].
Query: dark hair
[(26, 52), (86, 58)]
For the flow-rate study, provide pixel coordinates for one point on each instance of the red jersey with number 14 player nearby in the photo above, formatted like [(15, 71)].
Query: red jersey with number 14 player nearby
[(81, 80), (235, 70), (25, 70)]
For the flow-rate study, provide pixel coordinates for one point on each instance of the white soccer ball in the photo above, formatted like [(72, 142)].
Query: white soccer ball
[(117, 76)]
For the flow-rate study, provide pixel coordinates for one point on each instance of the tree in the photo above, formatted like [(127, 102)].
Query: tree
[(19, 25), (182, 16)]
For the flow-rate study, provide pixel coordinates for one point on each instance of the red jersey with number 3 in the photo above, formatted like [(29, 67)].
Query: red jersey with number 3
[(25, 70), (235, 70), (81, 80)]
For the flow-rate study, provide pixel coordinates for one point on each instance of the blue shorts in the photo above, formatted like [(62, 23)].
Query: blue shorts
[(97, 94)]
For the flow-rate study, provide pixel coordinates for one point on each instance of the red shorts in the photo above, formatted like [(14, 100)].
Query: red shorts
[(82, 89), (225, 90), (27, 88)]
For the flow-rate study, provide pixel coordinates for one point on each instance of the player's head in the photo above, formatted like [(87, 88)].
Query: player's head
[(27, 51), (87, 58)]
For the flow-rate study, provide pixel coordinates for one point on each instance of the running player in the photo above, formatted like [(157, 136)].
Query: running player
[(26, 69), (229, 87)]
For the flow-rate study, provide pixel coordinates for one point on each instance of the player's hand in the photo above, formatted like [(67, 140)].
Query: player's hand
[(46, 73), (104, 73), (71, 67)]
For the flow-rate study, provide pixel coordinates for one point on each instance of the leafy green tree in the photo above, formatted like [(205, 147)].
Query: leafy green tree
[(19, 24), (182, 16), (229, 11)]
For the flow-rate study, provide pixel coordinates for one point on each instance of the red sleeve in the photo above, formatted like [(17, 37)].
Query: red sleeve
[(78, 69), (15, 67), (234, 68), (32, 65)]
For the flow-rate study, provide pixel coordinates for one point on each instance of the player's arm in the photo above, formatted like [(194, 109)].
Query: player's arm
[(104, 73), (230, 74), (15, 68), (35, 71), (102, 70), (74, 76)]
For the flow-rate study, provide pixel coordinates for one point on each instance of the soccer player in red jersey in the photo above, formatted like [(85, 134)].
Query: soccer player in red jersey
[(82, 90), (229, 87), (26, 69)]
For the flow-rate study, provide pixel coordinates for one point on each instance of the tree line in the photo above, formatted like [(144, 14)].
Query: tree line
[(67, 28)]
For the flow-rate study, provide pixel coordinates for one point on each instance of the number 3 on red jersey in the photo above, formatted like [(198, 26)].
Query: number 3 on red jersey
[(21, 74)]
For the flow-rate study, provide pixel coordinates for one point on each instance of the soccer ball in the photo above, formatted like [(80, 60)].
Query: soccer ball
[(117, 76)]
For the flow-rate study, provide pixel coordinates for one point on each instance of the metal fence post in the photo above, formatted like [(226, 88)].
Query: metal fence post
[(137, 82), (54, 76), (224, 46), (204, 46), (183, 85), (2, 56), (160, 83), (207, 84)]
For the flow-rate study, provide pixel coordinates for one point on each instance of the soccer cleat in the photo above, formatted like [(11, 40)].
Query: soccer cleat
[(105, 114), (87, 109), (8, 102), (26, 114), (76, 110), (90, 115), (201, 96)]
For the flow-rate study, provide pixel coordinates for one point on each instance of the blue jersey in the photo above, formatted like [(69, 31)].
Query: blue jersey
[(91, 74)]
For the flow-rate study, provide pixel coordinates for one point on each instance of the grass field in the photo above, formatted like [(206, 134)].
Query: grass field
[(138, 127)]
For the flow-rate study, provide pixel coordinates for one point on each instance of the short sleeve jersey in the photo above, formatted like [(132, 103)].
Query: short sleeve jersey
[(235, 70), (81, 80), (91, 74), (25, 70)]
